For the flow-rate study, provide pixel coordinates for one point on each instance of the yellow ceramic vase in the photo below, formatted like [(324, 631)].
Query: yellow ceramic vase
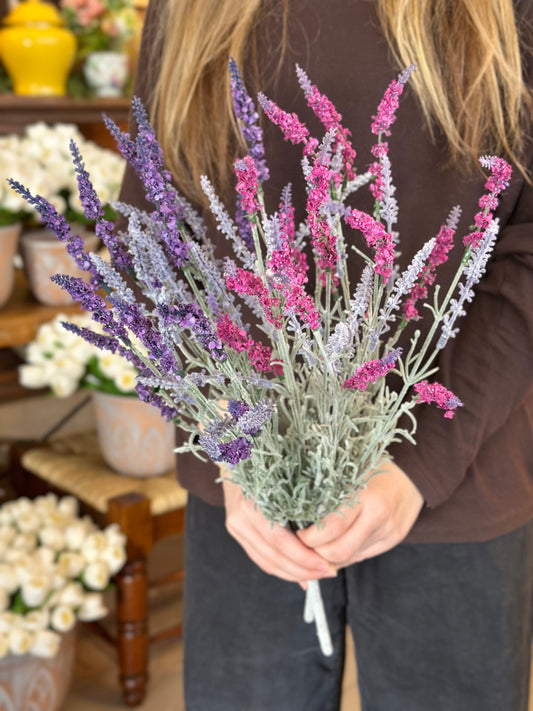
[(36, 50)]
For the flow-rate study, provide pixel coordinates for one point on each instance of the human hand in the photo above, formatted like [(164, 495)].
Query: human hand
[(384, 515), (276, 550)]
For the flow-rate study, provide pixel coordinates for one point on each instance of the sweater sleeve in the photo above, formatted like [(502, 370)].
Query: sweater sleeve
[(489, 365)]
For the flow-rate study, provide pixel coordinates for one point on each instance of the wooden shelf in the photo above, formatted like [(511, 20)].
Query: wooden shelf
[(17, 111), (22, 315)]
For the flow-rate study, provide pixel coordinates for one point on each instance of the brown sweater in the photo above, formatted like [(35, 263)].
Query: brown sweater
[(475, 471)]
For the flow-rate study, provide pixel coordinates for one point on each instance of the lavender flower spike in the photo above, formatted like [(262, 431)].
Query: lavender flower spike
[(474, 270), (92, 207), (245, 111), (251, 421)]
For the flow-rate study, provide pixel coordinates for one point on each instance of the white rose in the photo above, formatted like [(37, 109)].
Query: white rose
[(114, 535), (4, 600), (111, 364), (37, 354), (46, 504), (9, 581), (70, 565), (72, 594), (21, 506), (29, 522), (52, 537), (33, 375), (57, 519), (25, 542), (66, 365), (6, 515), (58, 580), (62, 618), (16, 556), (68, 505), (8, 620), (81, 351), (76, 534), (35, 589), (4, 645), (96, 575), (46, 336), (7, 534), (20, 640), (45, 556), (115, 557), (63, 385), (46, 644), (36, 620), (94, 546), (126, 380), (25, 566), (93, 608)]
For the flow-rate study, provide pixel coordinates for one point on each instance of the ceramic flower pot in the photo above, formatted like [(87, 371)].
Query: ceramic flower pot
[(106, 72), (44, 255), (28, 682), (134, 438), (9, 236)]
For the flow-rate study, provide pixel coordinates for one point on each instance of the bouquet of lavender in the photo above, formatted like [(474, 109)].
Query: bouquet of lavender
[(301, 416)]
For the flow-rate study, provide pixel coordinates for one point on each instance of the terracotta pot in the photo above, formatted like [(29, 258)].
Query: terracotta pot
[(44, 255), (9, 236), (134, 438), (28, 682)]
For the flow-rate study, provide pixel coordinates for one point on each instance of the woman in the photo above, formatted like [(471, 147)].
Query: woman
[(433, 570)]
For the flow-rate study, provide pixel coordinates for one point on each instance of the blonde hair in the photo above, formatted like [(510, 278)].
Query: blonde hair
[(468, 77), (191, 104), (468, 80)]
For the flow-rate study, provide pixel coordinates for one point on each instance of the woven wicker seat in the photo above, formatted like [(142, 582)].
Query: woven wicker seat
[(75, 465), (147, 511)]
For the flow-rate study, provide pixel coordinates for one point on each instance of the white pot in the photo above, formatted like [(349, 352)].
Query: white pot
[(29, 683), (134, 438), (44, 255), (9, 236), (106, 72)]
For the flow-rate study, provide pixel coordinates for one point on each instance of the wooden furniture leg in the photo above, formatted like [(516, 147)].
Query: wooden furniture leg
[(132, 512), (132, 630)]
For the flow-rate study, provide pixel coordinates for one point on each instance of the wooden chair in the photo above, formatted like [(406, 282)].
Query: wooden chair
[(147, 511)]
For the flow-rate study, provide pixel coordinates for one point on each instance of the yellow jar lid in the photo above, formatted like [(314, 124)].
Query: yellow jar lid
[(31, 12)]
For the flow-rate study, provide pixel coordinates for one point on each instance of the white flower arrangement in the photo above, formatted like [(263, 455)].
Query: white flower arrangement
[(53, 569), (40, 158), (65, 362)]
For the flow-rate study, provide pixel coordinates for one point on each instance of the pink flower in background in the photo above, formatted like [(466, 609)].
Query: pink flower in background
[(244, 282), (331, 120), (376, 237), (238, 340), (438, 394), (498, 180), (247, 185), (386, 114), (438, 255), (370, 371)]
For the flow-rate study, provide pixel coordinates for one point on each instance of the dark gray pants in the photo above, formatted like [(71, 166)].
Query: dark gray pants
[(437, 627)]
